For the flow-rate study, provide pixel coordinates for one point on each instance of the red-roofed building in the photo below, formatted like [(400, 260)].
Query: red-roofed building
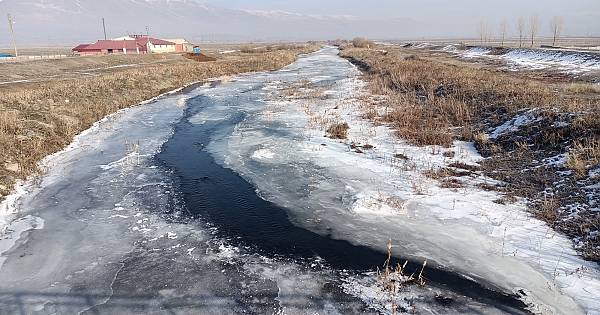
[(126, 45)]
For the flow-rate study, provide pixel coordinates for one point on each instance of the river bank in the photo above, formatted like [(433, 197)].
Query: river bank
[(41, 118), (236, 197)]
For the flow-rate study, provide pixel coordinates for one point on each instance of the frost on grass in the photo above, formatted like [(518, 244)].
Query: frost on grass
[(389, 290)]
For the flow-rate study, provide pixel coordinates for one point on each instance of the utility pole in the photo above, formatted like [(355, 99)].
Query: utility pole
[(12, 33), (147, 31), (104, 28)]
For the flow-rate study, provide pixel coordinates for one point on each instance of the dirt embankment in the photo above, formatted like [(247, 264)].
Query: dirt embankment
[(38, 119), (541, 140), (200, 57)]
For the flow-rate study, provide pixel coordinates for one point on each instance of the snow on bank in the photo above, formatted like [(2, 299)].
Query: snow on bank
[(475, 52), (12, 82), (113, 228), (423, 45), (515, 123), (370, 195), (104, 224), (13, 223), (450, 48), (574, 62), (536, 59)]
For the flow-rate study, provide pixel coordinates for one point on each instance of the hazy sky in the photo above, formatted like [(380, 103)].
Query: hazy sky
[(402, 8), (581, 16), (53, 21)]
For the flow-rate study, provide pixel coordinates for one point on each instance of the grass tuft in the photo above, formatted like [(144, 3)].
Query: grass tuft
[(338, 131)]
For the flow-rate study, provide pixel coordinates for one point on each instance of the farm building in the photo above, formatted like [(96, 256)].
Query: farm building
[(181, 45), (103, 47), (135, 44)]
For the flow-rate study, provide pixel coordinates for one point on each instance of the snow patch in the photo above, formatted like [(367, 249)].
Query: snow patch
[(515, 124), (475, 52), (574, 62), (460, 228)]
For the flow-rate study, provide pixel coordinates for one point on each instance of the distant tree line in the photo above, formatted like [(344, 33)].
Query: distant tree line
[(526, 29)]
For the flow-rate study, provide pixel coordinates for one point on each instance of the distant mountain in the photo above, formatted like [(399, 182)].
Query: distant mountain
[(74, 21)]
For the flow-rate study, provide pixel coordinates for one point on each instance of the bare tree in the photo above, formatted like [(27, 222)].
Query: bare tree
[(483, 31), (521, 30), (503, 30), (533, 28), (556, 25)]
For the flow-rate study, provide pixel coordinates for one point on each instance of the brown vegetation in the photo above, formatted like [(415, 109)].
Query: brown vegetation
[(395, 279), (583, 155), (427, 98), (251, 49), (434, 102), (200, 57), (338, 131), (361, 42), (39, 119)]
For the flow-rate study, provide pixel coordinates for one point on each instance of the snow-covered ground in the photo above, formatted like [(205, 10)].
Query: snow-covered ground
[(104, 230), (105, 226), (474, 52), (574, 62), (228, 51), (369, 197), (536, 59), (515, 123)]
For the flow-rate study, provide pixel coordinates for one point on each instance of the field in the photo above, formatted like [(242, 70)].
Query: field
[(575, 42), (44, 104), (74, 67)]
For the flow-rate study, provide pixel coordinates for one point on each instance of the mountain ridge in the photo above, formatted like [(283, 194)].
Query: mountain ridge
[(75, 21)]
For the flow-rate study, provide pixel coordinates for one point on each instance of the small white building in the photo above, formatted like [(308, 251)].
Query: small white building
[(153, 45), (158, 46), (181, 44)]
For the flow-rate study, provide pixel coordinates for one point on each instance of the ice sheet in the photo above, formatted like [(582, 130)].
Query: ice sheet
[(104, 231), (112, 217), (369, 197)]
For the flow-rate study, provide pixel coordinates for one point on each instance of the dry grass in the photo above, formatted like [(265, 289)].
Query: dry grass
[(338, 131), (582, 88), (258, 48), (79, 66), (548, 209), (199, 57), (431, 101), (428, 98), (446, 172), (360, 42), (395, 279), (39, 119), (583, 155)]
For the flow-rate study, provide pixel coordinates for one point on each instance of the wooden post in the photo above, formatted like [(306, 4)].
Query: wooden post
[(104, 28), (12, 33)]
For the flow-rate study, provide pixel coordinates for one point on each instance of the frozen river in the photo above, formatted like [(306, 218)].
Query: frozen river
[(227, 198)]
